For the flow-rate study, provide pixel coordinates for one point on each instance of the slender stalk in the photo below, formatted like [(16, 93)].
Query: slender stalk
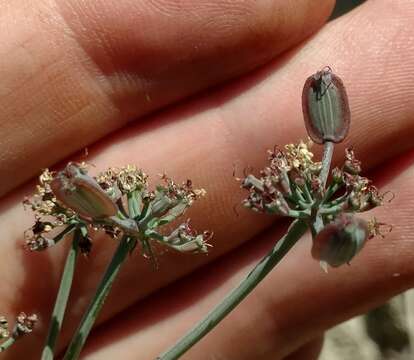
[(62, 298), (308, 194), (133, 204), (330, 191), (63, 233), (6, 344), (331, 210), (98, 300), (295, 232), (316, 224), (328, 148)]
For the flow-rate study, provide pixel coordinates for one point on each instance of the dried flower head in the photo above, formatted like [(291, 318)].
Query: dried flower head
[(121, 181), (4, 328), (24, 324), (290, 186), (73, 199), (283, 184)]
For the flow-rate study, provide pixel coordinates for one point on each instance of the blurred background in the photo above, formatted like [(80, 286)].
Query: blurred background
[(384, 333), (343, 6)]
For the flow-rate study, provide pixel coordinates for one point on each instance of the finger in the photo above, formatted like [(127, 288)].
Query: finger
[(295, 303), (240, 123), (74, 71), (209, 135)]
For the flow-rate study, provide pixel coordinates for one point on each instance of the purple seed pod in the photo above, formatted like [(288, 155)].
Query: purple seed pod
[(338, 242), (81, 193), (325, 107)]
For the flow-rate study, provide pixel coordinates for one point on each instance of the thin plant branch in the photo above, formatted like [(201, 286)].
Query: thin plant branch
[(62, 298), (295, 232), (328, 148), (98, 300), (6, 344)]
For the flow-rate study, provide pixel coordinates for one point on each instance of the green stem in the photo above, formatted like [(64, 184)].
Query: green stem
[(316, 224), (98, 300), (330, 191), (9, 342), (339, 200), (63, 233), (133, 204), (62, 298), (295, 232), (328, 148), (332, 210), (298, 193), (307, 193)]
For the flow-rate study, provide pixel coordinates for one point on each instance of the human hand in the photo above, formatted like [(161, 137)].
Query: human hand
[(76, 72)]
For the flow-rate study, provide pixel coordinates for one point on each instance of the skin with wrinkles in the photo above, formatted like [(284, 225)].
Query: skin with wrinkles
[(89, 67), (62, 92)]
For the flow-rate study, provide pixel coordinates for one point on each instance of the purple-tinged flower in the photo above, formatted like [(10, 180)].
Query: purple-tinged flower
[(339, 241)]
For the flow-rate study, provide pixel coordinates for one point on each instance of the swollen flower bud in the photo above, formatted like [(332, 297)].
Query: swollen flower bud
[(81, 193), (325, 107), (338, 242)]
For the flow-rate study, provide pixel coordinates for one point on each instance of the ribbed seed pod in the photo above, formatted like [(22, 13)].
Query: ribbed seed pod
[(338, 242), (81, 193), (325, 107)]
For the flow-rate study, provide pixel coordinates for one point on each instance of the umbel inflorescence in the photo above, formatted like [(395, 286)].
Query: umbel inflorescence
[(117, 201), (290, 186), (120, 203), (24, 324), (294, 185)]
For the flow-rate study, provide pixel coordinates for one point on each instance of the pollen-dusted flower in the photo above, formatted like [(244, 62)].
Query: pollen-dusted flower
[(351, 164), (170, 195), (120, 181), (48, 212), (4, 328), (185, 239), (362, 195), (300, 157), (285, 183), (291, 186), (117, 201), (24, 324)]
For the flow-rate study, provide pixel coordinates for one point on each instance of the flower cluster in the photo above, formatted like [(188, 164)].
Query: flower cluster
[(294, 185), (49, 213), (117, 201), (24, 325), (286, 185), (118, 182), (4, 328), (290, 186)]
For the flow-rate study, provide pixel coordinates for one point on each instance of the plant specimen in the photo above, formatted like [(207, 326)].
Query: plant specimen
[(294, 185), (24, 324), (119, 203)]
